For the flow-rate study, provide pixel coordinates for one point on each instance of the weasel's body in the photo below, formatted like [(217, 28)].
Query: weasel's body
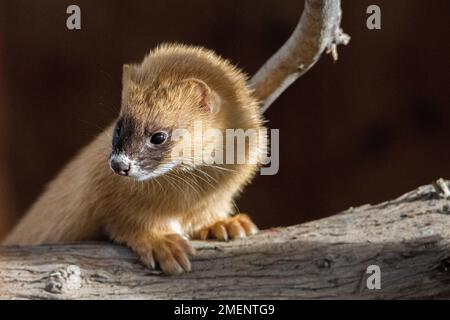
[(174, 87)]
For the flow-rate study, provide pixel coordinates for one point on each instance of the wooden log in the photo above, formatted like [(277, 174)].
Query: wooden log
[(408, 238)]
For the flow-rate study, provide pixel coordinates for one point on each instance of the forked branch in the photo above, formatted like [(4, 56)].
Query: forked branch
[(318, 30)]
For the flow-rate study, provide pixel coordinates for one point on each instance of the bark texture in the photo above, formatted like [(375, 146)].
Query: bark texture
[(318, 29), (408, 238)]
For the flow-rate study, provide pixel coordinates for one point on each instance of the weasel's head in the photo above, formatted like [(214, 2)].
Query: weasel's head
[(152, 116)]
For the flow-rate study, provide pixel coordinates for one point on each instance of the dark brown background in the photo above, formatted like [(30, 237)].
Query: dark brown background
[(365, 129)]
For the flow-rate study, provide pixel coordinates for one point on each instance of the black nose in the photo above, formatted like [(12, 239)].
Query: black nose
[(120, 167)]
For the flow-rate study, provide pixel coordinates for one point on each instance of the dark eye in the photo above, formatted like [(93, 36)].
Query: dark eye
[(158, 138), (118, 129)]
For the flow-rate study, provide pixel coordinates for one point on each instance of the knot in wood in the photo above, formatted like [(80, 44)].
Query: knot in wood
[(64, 280)]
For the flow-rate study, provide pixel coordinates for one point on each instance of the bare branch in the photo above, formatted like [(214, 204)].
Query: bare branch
[(408, 238), (317, 30)]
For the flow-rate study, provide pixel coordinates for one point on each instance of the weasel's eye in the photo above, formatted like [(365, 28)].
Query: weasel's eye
[(118, 129), (158, 138)]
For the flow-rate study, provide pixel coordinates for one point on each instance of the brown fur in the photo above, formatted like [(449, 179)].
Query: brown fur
[(174, 86)]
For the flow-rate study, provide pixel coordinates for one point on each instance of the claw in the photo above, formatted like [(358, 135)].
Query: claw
[(236, 227), (170, 251)]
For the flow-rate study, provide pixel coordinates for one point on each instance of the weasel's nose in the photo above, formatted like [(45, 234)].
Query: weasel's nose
[(120, 167)]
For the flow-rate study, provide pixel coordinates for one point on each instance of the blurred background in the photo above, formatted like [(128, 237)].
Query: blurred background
[(363, 130)]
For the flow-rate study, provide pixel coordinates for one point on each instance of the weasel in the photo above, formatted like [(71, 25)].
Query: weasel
[(133, 191)]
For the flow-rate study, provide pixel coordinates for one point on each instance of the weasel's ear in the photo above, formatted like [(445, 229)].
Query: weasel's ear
[(209, 100), (126, 73)]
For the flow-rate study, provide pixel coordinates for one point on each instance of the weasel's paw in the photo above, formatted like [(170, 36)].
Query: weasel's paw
[(236, 227), (170, 251)]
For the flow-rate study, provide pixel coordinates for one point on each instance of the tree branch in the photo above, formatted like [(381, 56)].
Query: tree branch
[(408, 238), (317, 30)]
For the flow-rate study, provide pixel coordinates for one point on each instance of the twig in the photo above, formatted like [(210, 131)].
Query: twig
[(317, 30), (442, 188)]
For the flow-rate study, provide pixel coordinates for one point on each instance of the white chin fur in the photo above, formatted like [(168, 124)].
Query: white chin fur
[(141, 175)]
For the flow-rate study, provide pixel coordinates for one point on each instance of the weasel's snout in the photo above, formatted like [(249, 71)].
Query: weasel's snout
[(120, 166)]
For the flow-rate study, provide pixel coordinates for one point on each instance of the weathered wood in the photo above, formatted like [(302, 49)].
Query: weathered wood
[(317, 30), (409, 238)]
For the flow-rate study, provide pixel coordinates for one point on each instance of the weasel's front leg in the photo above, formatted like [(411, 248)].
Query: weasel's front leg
[(170, 250), (238, 226)]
